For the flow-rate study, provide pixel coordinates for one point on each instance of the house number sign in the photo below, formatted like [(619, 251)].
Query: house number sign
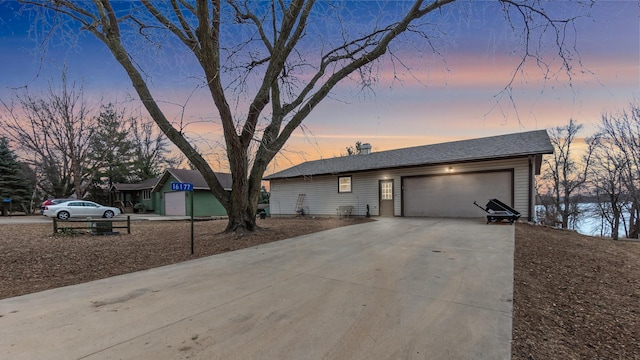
[(178, 186)]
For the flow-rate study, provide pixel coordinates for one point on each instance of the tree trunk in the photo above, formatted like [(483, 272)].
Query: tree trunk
[(565, 213), (634, 224), (240, 218), (77, 178), (241, 214), (616, 224)]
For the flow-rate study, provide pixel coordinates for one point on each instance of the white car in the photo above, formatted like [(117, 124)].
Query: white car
[(81, 209)]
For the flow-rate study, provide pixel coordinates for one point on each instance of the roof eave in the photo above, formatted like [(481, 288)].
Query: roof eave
[(448, 162), (161, 181)]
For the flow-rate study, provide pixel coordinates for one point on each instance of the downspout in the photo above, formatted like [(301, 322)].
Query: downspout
[(529, 216)]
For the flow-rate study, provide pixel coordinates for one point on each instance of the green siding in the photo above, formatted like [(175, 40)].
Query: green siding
[(165, 188), (205, 203), (157, 202), (148, 203)]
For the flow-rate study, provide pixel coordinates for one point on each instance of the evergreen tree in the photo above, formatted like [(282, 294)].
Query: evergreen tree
[(110, 153), (111, 150), (13, 184)]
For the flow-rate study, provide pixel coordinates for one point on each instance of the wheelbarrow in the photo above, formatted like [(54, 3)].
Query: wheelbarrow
[(497, 211)]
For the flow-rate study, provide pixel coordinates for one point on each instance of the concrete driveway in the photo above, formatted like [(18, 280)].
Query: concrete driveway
[(392, 289)]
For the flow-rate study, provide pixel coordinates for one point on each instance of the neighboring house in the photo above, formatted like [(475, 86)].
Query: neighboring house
[(441, 180), (125, 196), (156, 194), (179, 202)]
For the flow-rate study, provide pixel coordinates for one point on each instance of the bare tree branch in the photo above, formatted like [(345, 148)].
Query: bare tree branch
[(265, 53)]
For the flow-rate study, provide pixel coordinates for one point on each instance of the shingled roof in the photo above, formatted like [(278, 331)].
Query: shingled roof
[(194, 177), (142, 185), (488, 148)]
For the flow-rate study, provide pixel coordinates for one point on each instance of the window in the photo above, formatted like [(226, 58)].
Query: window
[(344, 184), (386, 189), (146, 194)]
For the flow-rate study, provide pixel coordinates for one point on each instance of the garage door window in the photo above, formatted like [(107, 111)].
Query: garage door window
[(344, 184)]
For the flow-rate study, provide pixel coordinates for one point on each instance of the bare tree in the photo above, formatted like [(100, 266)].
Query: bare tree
[(606, 182), (566, 174), (623, 131), (354, 149), (151, 151), (54, 129), (284, 58), (74, 150)]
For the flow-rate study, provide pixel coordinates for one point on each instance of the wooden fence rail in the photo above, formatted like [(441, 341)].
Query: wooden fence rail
[(94, 226)]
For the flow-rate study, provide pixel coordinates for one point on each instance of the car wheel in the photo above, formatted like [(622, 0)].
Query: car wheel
[(108, 214), (63, 215)]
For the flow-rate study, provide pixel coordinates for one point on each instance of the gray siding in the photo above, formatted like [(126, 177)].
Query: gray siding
[(322, 197)]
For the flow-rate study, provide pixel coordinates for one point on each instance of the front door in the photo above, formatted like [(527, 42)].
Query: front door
[(386, 197)]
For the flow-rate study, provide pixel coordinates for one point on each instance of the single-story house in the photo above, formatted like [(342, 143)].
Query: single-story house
[(179, 202), (126, 196), (156, 194), (441, 180)]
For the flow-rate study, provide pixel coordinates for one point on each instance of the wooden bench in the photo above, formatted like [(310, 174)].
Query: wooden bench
[(344, 211), (97, 226)]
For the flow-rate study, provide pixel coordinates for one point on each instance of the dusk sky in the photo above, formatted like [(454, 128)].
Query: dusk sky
[(456, 96)]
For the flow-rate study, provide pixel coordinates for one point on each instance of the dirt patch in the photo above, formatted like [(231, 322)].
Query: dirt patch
[(575, 296), (32, 259)]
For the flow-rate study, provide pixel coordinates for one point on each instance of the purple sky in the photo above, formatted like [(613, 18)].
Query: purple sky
[(449, 98)]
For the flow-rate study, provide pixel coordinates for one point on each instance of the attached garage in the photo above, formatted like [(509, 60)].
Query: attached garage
[(452, 195), (175, 203)]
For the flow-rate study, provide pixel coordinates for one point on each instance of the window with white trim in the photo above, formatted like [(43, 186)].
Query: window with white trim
[(146, 194), (344, 184)]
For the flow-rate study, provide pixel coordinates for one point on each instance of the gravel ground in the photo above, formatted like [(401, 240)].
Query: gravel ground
[(575, 297)]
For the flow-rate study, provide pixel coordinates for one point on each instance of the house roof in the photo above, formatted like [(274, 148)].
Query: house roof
[(142, 185), (488, 148), (194, 177)]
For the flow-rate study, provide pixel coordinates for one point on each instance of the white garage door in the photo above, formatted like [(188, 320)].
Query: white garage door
[(174, 203), (453, 195)]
